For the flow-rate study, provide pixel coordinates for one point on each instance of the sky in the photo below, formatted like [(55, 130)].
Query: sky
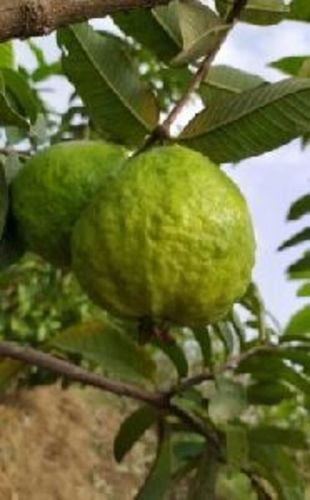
[(270, 182)]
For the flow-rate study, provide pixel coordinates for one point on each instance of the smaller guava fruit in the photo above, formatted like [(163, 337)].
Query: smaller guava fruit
[(169, 239), (54, 187)]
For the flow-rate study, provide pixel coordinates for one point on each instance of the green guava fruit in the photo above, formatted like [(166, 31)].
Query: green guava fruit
[(170, 239), (53, 188)]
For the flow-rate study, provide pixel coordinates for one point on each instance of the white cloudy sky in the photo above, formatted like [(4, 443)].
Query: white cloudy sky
[(270, 182)]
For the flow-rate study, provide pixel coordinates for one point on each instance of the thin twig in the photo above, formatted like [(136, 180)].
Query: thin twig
[(75, 373)]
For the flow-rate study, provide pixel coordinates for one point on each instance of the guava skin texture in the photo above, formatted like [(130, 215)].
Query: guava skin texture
[(169, 238), (52, 190)]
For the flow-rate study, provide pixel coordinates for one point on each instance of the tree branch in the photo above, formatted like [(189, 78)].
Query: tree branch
[(75, 373), (25, 18)]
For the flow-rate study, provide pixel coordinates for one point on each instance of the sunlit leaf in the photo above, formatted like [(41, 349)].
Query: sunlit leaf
[(252, 123)]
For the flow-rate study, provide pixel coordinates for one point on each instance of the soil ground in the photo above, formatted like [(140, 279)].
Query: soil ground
[(58, 445)]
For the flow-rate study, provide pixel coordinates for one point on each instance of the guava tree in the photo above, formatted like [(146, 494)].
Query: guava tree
[(229, 400)]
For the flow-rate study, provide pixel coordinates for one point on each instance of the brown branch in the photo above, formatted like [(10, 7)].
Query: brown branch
[(25, 18), (75, 373)]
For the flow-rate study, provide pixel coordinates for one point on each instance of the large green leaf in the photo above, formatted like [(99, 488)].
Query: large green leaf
[(201, 31), (299, 208), (300, 10), (299, 323), (225, 81), (25, 98), (251, 123), (158, 481), (300, 237), (144, 27), (108, 346), (6, 55), (8, 115), (261, 12), (119, 103), (132, 429)]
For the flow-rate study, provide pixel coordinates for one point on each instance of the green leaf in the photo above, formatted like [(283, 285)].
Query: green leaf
[(226, 81), (175, 353), (8, 115), (300, 237), (251, 123), (158, 481), (26, 99), (202, 336), (304, 290), (204, 483), (132, 429), (228, 402), (299, 10), (3, 200), (145, 28), (274, 464), (201, 31), (261, 12), (109, 346), (268, 393), (299, 323), (119, 103), (274, 435), (294, 66), (299, 208), (301, 268), (7, 55)]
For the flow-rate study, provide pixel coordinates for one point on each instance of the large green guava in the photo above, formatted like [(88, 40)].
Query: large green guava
[(169, 238), (53, 188)]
